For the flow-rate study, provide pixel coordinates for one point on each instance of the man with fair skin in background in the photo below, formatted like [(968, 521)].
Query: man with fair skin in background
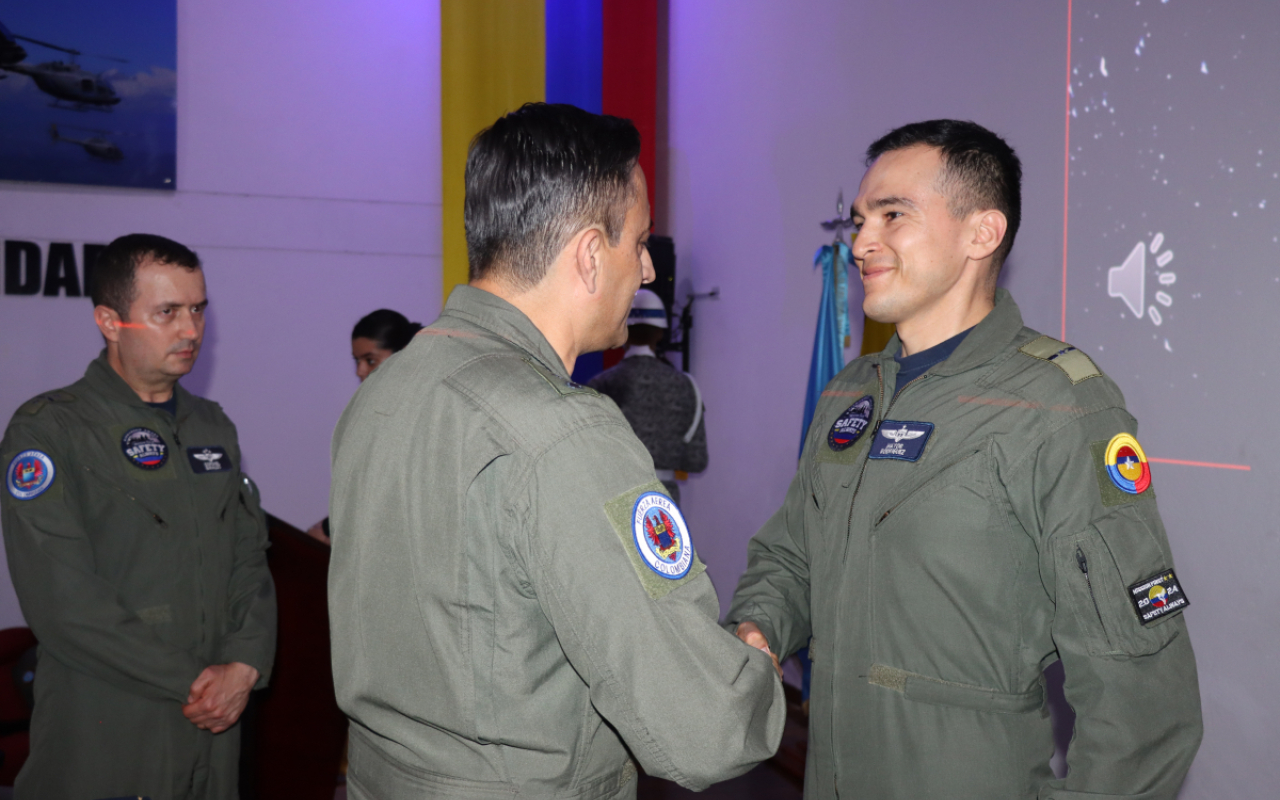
[(137, 549), (971, 506), (515, 602)]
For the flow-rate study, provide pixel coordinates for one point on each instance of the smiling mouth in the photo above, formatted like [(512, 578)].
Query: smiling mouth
[(871, 272)]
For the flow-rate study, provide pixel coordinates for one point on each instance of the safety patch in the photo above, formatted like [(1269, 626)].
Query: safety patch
[(30, 473), (850, 425), (629, 513), (205, 460), (903, 441), (1077, 366), (1127, 465), (144, 448), (1158, 596)]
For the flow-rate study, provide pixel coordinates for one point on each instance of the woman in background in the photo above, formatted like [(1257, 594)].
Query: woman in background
[(374, 338)]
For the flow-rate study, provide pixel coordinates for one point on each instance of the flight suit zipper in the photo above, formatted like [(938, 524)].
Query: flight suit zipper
[(1084, 567), (189, 488), (848, 530)]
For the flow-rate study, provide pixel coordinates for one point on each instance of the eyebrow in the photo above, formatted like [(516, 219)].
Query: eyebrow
[(891, 200)]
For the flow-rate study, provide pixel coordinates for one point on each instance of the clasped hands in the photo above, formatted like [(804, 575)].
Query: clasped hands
[(218, 695), (750, 633)]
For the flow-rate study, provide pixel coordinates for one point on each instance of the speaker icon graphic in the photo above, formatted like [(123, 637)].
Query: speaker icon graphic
[(1128, 281)]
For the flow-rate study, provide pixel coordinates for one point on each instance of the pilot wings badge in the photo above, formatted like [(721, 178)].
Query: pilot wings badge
[(902, 441), (208, 459)]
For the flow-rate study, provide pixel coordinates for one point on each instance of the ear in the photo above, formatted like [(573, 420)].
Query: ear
[(988, 232), (108, 323), (586, 259)]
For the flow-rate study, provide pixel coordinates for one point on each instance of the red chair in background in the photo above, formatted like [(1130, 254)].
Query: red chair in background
[(294, 732), (17, 671)]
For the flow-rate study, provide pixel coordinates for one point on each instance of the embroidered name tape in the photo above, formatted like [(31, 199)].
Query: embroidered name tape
[(30, 473), (850, 425), (903, 441), (1158, 596), (661, 535), (144, 448), (205, 460)]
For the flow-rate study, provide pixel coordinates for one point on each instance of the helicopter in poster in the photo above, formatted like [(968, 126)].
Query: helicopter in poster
[(59, 79), (95, 146)]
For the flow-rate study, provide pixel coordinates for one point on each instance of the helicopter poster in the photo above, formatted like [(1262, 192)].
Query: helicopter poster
[(88, 92)]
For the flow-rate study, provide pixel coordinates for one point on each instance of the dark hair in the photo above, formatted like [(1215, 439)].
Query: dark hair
[(390, 329), (113, 272), (538, 176), (980, 171)]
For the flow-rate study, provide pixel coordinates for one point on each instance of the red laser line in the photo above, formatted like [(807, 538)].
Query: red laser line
[(1242, 467), (1066, 178)]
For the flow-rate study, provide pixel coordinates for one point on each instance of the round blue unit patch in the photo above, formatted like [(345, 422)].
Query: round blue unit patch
[(144, 448), (661, 535), (850, 425), (30, 473)]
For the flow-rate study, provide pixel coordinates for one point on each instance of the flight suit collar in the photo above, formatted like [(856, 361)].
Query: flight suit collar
[(505, 320), (102, 378), (988, 339)]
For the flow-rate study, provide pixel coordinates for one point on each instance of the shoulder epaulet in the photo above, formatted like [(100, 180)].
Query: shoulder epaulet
[(35, 404), (564, 386), (1074, 363)]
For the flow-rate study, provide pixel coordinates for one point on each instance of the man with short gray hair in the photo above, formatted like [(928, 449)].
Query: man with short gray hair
[(517, 607)]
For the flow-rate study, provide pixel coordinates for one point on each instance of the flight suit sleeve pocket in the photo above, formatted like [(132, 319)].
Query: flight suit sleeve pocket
[(1095, 570)]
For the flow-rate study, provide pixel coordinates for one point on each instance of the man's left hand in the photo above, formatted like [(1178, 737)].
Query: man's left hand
[(218, 696)]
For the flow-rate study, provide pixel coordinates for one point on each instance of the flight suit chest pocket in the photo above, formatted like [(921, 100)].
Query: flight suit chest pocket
[(1096, 572), (961, 482)]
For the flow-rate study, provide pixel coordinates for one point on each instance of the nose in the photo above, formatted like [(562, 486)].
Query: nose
[(864, 242), (192, 325), (647, 273)]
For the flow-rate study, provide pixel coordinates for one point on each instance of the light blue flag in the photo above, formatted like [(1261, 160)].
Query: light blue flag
[(833, 326)]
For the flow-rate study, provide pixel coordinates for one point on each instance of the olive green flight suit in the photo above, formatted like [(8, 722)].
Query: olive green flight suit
[(496, 630), (937, 590), (134, 580)]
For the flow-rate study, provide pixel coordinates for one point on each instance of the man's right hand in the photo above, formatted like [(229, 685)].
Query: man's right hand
[(750, 633), (317, 532)]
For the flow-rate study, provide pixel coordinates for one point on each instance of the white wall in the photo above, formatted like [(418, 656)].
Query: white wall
[(309, 183)]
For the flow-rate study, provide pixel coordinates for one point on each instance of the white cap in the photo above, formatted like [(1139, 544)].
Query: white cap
[(647, 309)]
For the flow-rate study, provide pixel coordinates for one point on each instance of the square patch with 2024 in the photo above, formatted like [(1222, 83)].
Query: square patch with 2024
[(903, 441), (209, 459), (1158, 596)]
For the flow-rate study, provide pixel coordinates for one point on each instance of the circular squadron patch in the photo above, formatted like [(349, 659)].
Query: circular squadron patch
[(850, 425), (1127, 464), (144, 448), (661, 536), (30, 473)]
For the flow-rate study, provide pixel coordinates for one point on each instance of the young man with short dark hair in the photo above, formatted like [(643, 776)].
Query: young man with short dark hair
[(971, 506)]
